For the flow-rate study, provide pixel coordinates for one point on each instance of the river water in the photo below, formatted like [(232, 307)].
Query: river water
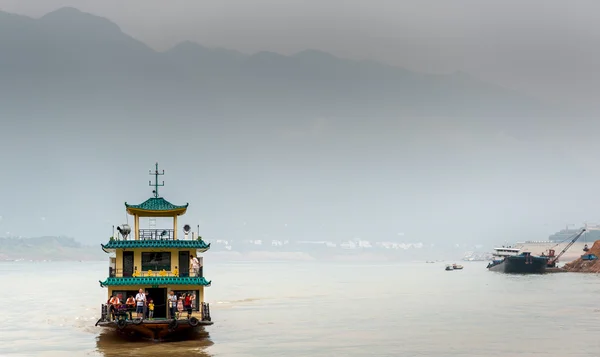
[(317, 309)]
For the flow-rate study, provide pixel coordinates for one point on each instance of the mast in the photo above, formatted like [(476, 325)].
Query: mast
[(156, 184)]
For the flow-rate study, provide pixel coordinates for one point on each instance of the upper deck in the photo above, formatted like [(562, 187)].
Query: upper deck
[(155, 256), (152, 237), (148, 240)]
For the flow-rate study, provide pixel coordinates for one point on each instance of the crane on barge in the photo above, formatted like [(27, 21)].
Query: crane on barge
[(552, 259)]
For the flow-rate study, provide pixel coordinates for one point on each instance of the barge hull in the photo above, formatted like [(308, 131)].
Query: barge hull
[(154, 329), (521, 265)]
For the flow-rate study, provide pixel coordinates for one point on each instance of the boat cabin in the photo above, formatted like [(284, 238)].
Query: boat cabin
[(506, 252)]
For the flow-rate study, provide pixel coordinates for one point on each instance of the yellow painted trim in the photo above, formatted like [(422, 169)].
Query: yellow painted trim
[(175, 228), (137, 227), (152, 213)]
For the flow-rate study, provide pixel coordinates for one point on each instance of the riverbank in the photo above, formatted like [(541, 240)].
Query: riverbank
[(586, 266)]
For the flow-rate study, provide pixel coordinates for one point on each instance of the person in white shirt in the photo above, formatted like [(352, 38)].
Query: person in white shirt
[(140, 300), (195, 265), (173, 304)]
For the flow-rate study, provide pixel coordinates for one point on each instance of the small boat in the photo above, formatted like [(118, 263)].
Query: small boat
[(154, 266), (513, 261), (457, 266), (449, 267)]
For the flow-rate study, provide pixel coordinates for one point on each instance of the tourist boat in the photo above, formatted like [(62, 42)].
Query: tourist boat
[(156, 260), (513, 261)]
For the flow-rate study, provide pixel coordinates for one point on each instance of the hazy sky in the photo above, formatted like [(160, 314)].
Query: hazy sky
[(544, 47), (366, 175)]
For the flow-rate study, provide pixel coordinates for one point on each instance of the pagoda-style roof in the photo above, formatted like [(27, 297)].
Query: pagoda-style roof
[(156, 207), (132, 244), (163, 280)]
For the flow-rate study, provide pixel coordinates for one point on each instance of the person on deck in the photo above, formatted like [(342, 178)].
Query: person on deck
[(151, 309), (187, 303), (113, 304), (195, 265), (172, 304), (130, 305), (140, 298), (179, 306)]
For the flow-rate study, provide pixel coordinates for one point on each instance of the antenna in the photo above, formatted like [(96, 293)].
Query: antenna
[(156, 184)]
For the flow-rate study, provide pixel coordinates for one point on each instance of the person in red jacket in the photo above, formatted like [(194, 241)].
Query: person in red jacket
[(187, 303)]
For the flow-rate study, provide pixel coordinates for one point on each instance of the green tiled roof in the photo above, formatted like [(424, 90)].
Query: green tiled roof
[(156, 204), (168, 280), (131, 244)]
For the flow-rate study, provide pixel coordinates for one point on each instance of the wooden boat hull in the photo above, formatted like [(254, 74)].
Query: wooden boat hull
[(155, 329), (520, 265)]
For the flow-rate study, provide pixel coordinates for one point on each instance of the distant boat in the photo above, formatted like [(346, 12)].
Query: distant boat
[(453, 267), (513, 261)]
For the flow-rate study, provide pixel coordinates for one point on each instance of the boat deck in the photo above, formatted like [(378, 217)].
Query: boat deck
[(159, 321), (182, 316)]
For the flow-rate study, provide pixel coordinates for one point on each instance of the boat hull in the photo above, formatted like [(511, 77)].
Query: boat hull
[(520, 265), (155, 329)]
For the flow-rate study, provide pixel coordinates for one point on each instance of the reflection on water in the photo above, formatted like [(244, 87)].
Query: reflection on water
[(112, 344)]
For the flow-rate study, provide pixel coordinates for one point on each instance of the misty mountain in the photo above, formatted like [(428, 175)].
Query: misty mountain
[(267, 146), (72, 58)]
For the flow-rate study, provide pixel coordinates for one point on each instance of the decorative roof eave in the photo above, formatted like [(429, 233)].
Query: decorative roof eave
[(199, 245), (156, 207), (154, 213), (106, 250), (154, 281)]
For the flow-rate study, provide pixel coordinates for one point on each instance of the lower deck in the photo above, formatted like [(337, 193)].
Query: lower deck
[(159, 296), (128, 314)]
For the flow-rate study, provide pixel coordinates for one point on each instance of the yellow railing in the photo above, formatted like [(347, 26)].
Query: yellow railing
[(118, 273)]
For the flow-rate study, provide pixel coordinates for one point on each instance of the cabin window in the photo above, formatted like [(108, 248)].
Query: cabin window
[(156, 261)]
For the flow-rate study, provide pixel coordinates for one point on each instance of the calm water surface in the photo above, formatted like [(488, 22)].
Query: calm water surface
[(317, 309)]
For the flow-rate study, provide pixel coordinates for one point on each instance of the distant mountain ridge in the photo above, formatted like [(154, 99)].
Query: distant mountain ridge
[(47, 248), (71, 57)]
